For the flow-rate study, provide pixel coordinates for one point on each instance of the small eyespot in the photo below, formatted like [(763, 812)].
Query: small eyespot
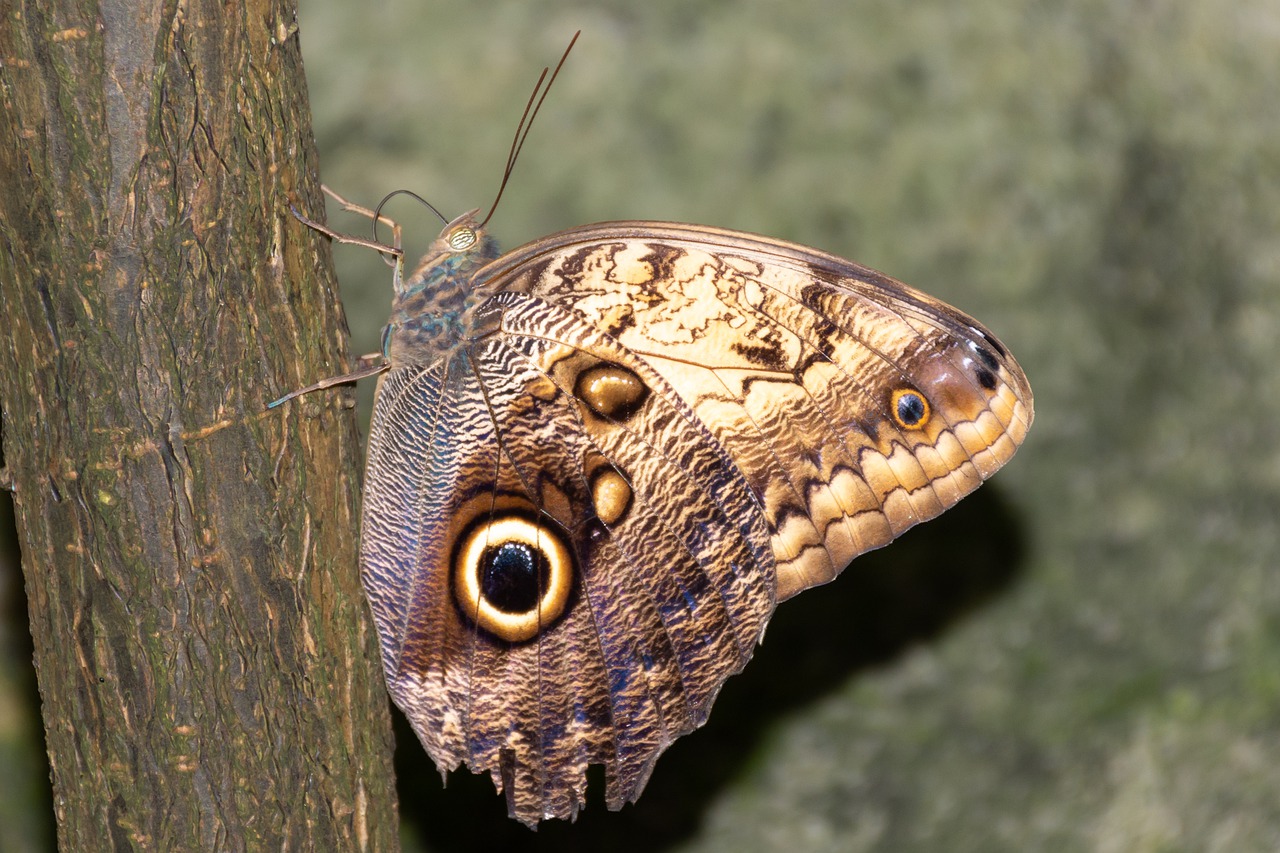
[(985, 356), (986, 367), (910, 409), (461, 239), (611, 391), (610, 494)]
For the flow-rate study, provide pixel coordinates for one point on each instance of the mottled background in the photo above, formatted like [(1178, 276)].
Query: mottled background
[(1083, 656)]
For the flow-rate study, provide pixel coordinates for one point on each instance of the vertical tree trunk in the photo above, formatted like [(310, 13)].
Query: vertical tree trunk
[(208, 676)]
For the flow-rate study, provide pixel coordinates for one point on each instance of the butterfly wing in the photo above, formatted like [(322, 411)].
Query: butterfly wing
[(577, 524), (497, 443), (798, 362)]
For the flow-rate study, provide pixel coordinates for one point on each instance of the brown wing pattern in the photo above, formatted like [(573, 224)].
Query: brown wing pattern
[(792, 358), (579, 518), (670, 572)]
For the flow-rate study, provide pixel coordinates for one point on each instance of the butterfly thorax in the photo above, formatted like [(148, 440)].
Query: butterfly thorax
[(429, 315)]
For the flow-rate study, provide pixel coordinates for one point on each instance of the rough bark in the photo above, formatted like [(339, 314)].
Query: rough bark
[(205, 664)]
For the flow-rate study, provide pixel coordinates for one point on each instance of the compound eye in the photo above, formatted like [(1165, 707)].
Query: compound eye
[(461, 239)]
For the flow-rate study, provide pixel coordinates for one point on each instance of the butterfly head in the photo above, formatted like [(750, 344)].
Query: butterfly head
[(462, 247)]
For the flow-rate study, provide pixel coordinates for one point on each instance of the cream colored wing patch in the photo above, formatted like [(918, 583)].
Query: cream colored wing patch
[(855, 406)]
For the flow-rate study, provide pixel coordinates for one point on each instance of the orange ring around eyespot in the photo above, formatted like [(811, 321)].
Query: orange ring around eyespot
[(513, 627), (894, 411)]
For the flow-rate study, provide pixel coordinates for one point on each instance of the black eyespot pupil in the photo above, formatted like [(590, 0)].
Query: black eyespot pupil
[(513, 577), (910, 409), (986, 379)]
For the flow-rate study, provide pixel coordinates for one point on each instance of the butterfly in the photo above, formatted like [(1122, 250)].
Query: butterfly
[(598, 462)]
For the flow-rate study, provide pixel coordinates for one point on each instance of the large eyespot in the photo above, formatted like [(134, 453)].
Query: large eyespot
[(461, 238), (513, 576), (910, 409), (611, 391)]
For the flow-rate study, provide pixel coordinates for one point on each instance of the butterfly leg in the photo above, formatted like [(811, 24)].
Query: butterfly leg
[(368, 365), (396, 261), (394, 249), (374, 363)]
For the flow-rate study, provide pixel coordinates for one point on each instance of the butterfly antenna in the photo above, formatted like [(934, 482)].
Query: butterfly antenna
[(377, 211), (526, 122)]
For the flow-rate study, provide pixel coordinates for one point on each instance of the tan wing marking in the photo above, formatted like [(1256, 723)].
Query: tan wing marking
[(790, 371)]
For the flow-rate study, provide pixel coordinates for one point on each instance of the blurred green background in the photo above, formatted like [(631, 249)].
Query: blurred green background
[(1085, 655)]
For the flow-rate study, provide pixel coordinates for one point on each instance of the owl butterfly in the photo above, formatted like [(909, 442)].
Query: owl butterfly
[(597, 463)]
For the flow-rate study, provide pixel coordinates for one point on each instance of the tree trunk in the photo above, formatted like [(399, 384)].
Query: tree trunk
[(208, 675)]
